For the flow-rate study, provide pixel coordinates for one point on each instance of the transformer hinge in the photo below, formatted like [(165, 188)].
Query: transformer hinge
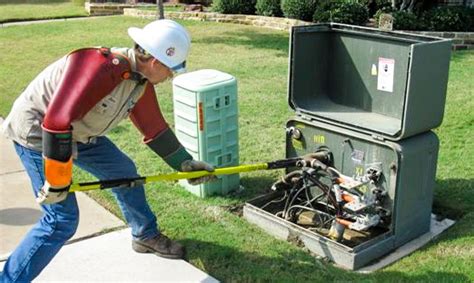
[(305, 117), (377, 137)]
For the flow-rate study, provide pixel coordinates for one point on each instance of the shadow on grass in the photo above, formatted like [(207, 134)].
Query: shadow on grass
[(460, 55), (252, 187), (256, 186), (225, 264), (251, 39), (453, 198)]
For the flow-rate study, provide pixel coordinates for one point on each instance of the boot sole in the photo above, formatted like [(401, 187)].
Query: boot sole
[(143, 249)]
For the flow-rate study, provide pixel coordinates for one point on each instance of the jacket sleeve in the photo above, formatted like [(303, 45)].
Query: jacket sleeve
[(89, 75), (147, 117)]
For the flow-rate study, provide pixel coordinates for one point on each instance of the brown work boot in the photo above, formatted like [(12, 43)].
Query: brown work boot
[(161, 246)]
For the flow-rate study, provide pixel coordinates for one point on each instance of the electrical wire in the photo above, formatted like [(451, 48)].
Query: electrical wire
[(275, 200), (299, 197), (318, 212)]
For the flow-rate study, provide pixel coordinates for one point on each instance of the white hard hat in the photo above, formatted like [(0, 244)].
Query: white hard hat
[(166, 40)]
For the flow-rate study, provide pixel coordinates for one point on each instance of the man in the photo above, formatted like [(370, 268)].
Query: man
[(62, 117)]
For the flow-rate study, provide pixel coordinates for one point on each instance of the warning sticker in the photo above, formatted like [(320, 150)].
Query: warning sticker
[(385, 76), (374, 70)]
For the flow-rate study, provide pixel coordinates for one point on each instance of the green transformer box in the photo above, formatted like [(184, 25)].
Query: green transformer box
[(369, 99)]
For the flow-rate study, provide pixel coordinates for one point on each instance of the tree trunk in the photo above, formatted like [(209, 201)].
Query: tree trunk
[(407, 5), (161, 13)]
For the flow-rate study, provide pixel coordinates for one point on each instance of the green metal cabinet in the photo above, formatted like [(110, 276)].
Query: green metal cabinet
[(206, 123), (371, 98)]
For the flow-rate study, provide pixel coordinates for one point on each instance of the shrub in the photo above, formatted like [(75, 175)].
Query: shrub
[(404, 20), (234, 6), (449, 19), (270, 8), (299, 9), (341, 12), (374, 5)]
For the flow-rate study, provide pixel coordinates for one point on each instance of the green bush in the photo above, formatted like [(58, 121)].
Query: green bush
[(299, 9), (404, 20), (449, 19), (270, 8), (374, 5), (246, 7), (350, 12)]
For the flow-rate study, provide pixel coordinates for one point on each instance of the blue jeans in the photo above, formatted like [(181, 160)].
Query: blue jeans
[(59, 222)]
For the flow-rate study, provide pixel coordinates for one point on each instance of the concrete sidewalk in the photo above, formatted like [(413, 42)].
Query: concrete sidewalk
[(22, 23), (19, 211), (110, 258), (91, 255)]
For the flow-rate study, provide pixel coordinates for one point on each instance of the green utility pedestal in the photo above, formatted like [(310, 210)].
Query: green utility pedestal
[(371, 99), (206, 123)]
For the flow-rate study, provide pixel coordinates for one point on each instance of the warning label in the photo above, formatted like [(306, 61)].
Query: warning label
[(385, 74)]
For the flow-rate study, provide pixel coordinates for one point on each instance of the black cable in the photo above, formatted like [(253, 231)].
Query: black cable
[(325, 189), (293, 199), (275, 201), (318, 213)]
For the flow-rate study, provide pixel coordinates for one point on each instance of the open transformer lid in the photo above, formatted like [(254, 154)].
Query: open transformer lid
[(390, 85)]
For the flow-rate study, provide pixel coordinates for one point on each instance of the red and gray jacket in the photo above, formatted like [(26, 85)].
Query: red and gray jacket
[(82, 96)]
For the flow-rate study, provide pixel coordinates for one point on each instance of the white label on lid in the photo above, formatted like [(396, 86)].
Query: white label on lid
[(385, 76)]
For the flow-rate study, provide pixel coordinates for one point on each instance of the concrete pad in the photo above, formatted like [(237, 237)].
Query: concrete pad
[(436, 228), (110, 257)]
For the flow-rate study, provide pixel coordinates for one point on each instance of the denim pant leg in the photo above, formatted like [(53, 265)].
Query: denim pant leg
[(45, 239), (105, 161)]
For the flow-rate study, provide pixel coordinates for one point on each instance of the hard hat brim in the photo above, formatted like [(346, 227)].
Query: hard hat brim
[(179, 69), (139, 37)]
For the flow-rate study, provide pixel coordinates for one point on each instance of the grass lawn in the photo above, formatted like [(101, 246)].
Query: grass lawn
[(218, 241), (28, 11)]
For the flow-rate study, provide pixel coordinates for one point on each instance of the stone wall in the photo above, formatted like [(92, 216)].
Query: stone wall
[(461, 40), (103, 9), (268, 22)]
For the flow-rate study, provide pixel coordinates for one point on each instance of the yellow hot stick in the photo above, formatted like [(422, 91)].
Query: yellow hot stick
[(174, 176)]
